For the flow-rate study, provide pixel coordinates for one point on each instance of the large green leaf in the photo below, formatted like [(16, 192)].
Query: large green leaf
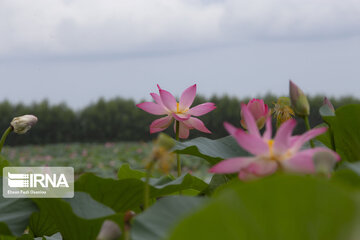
[(14, 214), (211, 150), (345, 128), (355, 167), (6, 237), (157, 221), (126, 172), (349, 174), (128, 194), (41, 224), (80, 217), (347, 132), (4, 229), (217, 180), (326, 138), (275, 208), (328, 115)]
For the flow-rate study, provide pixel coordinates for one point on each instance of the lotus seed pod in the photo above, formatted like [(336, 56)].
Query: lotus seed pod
[(283, 111)]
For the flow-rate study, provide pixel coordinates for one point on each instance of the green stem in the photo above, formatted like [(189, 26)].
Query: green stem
[(178, 160), (4, 136), (127, 234), (307, 124), (332, 139), (147, 185)]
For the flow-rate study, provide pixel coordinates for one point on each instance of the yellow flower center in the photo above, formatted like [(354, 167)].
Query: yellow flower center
[(271, 151), (276, 157), (178, 109)]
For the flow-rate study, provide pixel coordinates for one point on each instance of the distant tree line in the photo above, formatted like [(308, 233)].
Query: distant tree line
[(120, 120)]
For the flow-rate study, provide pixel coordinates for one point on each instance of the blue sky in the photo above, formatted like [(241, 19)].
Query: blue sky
[(76, 51)]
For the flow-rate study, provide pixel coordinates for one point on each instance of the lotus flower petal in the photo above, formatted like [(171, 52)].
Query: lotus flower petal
[(303, 161), (187, 98), (152, 108), (250, 121), (282, 137), (231, 165), (251, 143), (202, 109), (168, 100), (181, 116), (160, 124), (307, 136)]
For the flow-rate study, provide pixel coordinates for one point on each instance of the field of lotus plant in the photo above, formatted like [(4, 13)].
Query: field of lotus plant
[(260, 182), (101, 159)]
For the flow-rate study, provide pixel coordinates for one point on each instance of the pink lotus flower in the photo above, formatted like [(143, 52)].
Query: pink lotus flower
[(283, 152), (259, 110), (166, 104)]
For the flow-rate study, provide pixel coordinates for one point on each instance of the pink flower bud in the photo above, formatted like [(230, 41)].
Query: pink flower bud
[(259, 110), (329, 104)]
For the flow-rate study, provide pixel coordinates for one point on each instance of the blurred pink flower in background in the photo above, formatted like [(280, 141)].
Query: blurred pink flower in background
[(109, 144), (259, 110), (89, 165), (166, 104), (48, 158), (22, 159), (73, 155), (84, 153), (283, 152), (12, 154)]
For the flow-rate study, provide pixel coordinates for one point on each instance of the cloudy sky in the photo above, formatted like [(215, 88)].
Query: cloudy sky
[(75, 51)]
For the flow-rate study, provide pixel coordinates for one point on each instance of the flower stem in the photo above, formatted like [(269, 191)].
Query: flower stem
[(332, 139), (178, 160), (126, 235), (147, 186), (4, 136), (307, 124)]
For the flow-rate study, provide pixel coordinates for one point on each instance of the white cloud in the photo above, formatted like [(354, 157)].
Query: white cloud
[(66, 27), (294, 18)]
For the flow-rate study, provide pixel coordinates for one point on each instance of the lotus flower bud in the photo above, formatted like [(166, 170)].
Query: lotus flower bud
[(329, 104), (299, 101), (109, 231), (23, 123), (260, 112)]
